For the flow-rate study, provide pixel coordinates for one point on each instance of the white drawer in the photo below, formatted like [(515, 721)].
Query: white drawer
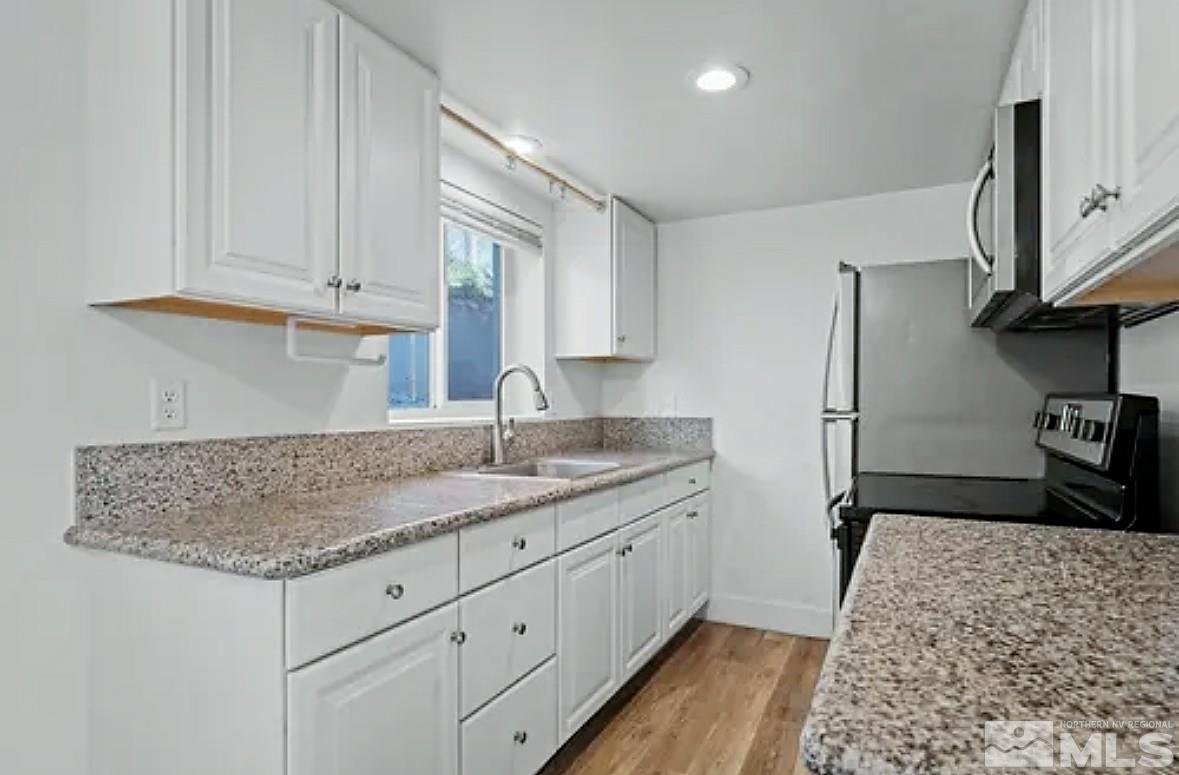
[(511, 628), (333, 608), (494, 549), (638, 499), (586, 517), (688, 480), (517, 733)]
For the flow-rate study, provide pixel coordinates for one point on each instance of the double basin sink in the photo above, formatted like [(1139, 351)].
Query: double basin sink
[(548, 468)]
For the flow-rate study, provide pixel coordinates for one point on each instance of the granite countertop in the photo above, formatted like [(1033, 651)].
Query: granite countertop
[(952, 623), (288, 536)]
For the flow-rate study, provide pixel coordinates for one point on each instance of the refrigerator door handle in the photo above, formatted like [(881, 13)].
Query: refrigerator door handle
[(823, 409)]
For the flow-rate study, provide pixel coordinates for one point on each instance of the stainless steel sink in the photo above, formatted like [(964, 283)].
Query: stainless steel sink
[(550, 468)]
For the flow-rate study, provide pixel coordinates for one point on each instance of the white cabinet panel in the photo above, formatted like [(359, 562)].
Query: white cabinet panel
[(586, 517), (261, 128), (640, 592), (495, 549), (688, 480), (587, 653), (634, 284), (389, 196), (1077, 129), (510, 628), (517, 733), (1148, 113), (389, 704), (675, 567), (699, 551), (638, 499)]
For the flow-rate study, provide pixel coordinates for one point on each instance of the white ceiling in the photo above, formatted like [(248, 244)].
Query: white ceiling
[(847, 97)]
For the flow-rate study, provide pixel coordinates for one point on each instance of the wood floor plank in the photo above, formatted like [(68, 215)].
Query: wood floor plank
[(729, 700)]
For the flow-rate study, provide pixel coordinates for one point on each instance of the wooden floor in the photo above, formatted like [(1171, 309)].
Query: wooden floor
[(726, 700)]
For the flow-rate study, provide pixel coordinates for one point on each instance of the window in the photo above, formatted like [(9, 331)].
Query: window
[(455, 366)]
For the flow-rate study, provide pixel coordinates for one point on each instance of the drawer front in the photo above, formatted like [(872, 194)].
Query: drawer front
[(689, 480), (511, 628), (329, 610), (496, 549), (586, 517), (517, 733), (638, 499)]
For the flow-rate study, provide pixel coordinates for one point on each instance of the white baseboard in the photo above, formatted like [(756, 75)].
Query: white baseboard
[(790, 618)]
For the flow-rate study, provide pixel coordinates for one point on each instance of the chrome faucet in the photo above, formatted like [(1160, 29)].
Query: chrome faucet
[(500, 435)]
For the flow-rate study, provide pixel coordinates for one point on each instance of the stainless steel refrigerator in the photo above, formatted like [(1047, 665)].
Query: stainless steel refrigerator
[(909, 387)]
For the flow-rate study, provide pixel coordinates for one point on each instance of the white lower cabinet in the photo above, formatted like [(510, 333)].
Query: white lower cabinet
[(387, 705), (675, 566), (699, 567), (588, 631), (517, 732), (510, 628), (640, 593)]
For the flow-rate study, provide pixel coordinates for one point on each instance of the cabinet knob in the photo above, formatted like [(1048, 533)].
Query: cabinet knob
[(459, 637), (335, 281), (621, 551), (519, 544), (395, 591), (353, 286), (519, 628), (1102, 196), (622, 338), (693, 514), (692, 480), (1087, 207), (521, 737)]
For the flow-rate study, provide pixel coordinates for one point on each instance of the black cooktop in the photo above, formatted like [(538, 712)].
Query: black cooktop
[(951, 496)]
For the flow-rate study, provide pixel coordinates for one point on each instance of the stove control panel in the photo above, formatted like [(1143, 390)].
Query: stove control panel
[(1080, 427)]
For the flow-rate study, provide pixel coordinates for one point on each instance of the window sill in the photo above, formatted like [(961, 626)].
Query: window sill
[(410, 421)]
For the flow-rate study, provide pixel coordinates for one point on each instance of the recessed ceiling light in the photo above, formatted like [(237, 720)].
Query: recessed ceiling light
[(523, 144), (720, 77)]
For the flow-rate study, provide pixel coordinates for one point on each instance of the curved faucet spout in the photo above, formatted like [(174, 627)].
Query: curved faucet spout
[(500, 436)]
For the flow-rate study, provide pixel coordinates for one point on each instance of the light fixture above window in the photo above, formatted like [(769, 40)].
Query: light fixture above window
[(719, 77), (523, 145)]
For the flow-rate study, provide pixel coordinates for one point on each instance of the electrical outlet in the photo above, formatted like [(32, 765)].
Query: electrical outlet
[(168, 405)]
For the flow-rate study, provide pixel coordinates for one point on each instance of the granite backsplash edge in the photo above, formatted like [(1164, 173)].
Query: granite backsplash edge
[(119, 480)]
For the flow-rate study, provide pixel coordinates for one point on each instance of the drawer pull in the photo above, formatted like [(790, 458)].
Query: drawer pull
[(519, 628), (693, 514), (521, 737), (519, 543), (395, 591), (692, 480), (459, 637)]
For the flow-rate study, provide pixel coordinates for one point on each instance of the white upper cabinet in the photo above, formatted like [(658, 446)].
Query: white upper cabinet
[(1025, 76), (261, 152), (1076, 140), (1112, 151), (388, 182), (605, 283), (1147, 152), (268, 156)]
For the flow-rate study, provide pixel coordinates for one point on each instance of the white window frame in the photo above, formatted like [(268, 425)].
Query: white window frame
[(441, 408)]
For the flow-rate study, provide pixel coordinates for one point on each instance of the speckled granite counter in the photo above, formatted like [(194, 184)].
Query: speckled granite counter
[(951, 623), (287, 536)]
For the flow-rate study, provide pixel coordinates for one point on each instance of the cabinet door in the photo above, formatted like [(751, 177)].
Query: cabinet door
[(1025, 75), (1148, 113), (587, 653), (389, 221), (675, 567), (517, 732), (634, 283), (1076, 131), (260, 118), (641, 593), (386, 705), (699, 552)]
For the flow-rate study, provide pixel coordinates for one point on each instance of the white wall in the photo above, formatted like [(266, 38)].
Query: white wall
[(1150, 365), (744, 303), (74, 375)]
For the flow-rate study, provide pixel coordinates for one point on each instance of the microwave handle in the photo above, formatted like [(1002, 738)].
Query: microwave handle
[(976, 190)]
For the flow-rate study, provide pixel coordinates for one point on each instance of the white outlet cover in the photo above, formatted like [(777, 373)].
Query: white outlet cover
[(169, 404)]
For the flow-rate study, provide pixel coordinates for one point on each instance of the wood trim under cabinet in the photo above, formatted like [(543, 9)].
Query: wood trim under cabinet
[(216, 310)]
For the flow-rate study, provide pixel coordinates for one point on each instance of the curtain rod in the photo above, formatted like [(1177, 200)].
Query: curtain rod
[(514, 157)]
